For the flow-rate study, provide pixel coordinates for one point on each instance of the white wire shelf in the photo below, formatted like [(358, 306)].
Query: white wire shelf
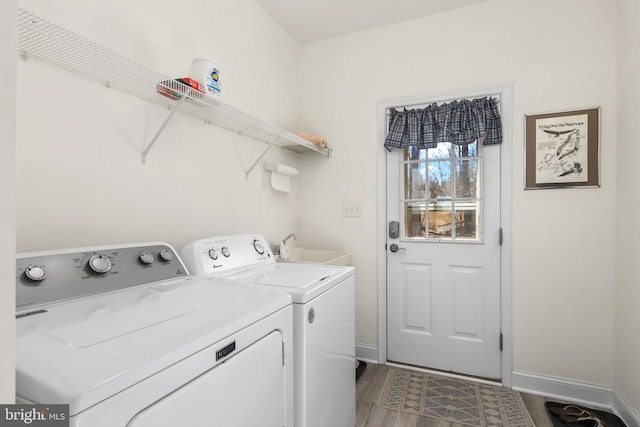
[(42, 41)]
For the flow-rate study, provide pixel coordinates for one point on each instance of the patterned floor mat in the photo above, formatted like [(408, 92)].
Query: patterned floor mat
[(453, 400)]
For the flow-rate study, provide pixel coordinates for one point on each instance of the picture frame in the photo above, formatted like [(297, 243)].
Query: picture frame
[(562, 149)]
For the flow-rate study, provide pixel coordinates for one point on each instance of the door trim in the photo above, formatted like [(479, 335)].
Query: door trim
[(505, 216)]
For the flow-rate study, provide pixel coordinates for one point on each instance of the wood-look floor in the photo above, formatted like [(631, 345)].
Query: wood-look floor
[(369, 415)]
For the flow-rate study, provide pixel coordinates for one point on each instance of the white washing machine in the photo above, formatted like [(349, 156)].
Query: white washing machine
[(323, 320), (125, 337)]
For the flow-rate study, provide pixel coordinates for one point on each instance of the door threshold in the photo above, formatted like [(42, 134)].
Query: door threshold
[(481, 380)]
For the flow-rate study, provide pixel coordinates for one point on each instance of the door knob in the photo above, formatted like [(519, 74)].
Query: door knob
[(395, 248)]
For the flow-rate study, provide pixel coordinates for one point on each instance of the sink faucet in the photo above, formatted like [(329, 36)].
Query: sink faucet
[(284, 252)]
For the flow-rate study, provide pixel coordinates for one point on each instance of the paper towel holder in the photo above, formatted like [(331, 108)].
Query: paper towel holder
[(280, 175)]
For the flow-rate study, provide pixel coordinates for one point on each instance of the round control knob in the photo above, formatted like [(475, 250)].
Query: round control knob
[(225, 251), (166, 255), (146, 257), (99, 264), (258, 246), (35, 273), (213, 254)]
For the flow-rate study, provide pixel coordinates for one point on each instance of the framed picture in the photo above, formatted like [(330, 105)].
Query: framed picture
[(561, 149)]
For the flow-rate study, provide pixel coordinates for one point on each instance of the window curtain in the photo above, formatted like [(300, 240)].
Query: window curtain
[(459, 122)]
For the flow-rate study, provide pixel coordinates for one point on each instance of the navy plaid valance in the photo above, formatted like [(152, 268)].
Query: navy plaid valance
[(459, 122)]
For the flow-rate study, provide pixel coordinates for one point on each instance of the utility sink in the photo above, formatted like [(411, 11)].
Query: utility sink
[(318, 256)]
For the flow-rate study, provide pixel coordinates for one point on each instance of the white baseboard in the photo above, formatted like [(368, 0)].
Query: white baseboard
[(563, 389), (625, 411), (367, 353), (582, 393)]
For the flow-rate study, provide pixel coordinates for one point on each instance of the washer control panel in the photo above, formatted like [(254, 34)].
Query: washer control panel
[(47, 277), (219, 254)]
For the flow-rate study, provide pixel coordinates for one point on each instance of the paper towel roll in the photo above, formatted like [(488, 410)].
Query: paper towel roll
[(280, 176)]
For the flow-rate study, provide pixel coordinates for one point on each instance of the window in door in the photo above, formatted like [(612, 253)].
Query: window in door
[(441, 195)]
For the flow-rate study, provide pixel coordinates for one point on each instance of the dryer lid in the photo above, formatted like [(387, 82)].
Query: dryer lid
[(83, 351)]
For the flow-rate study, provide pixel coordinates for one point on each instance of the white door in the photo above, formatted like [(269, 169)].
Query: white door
[(443, 274)]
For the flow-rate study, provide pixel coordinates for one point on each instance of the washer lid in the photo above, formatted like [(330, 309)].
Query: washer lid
[(302, 281), (82, 351)]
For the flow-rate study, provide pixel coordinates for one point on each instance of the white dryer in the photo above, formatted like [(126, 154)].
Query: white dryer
[(125, 337), (323, 320)]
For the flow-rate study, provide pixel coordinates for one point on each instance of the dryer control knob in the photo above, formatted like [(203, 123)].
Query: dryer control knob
[(146, 257), (35, 273), (225, 251), (166, 255), (99, 264), (258, 246), (213, 254)]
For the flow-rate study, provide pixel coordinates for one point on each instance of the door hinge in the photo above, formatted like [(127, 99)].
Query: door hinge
[(500, 341), (500, 236)]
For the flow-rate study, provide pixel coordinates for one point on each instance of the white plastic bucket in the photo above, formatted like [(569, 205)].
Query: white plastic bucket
[(206, 72)]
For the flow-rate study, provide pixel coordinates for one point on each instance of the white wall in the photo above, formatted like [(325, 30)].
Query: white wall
[(7, 192), (556, 56), (80, 178), (627, 375)]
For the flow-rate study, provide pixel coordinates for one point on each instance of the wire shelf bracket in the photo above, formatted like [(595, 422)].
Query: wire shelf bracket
[(148, 147)]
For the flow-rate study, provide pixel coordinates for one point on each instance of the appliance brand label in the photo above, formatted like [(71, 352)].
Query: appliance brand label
[(34, 415), (224, 352)]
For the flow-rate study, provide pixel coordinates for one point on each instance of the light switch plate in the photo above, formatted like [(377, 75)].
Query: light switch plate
[(351, 209)]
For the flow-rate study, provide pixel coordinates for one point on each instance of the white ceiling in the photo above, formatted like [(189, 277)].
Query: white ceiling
[(312, 20)]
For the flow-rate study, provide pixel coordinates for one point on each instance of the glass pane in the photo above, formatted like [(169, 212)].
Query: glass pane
[(470, 150), (466, 178), (442, 151), (467, 219), (444, 184), (440, 179), (414, 219), (414, 153), (440, 214), (415, 184)]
